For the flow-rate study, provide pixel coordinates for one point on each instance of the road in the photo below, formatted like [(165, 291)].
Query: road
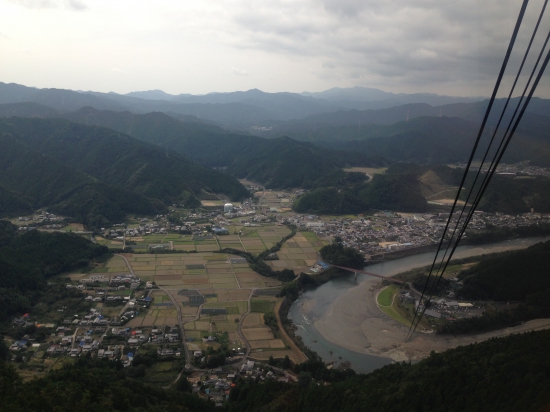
[(302, 357), (240, 331), (180, 323)]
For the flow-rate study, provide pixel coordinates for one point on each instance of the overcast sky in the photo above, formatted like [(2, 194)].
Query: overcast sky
[(440, 46)]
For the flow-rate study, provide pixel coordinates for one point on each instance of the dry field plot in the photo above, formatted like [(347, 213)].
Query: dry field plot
[(115, 261), (252, 320), (258, 334), (276, 344), (277, 354), (257, 344)]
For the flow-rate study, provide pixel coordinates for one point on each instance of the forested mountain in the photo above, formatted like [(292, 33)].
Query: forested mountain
[(28, 109), (443, 140), (118, 159), (277, 163), (396, 190), (407, 187), (520, 277), (236, 109), (30, 179), (11, 203)]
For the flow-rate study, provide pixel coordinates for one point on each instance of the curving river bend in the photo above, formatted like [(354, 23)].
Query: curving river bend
[(314, 305)]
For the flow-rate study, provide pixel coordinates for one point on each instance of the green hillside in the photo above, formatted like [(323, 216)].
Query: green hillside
[(446, 140), (32, 180), (118, 159), (275, 163), (28, 260), (511, 277)]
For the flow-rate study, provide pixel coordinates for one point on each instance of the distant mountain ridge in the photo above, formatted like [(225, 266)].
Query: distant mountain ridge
[(235, 109), (362, 98)]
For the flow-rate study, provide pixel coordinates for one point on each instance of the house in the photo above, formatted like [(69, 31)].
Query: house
[(67, 340), (55, 349), (74, 352)]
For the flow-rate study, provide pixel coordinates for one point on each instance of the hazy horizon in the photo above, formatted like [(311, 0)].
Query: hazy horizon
[(423, 46)]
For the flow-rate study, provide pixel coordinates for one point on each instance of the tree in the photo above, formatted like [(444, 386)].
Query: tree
[(286, 362), (183, 385)]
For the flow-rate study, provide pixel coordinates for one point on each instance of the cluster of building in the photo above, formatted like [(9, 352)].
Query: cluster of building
[(518, 169), (215, 384), (386, 231)]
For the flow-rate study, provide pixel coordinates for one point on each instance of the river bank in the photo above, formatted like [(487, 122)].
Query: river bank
[(343, 314)]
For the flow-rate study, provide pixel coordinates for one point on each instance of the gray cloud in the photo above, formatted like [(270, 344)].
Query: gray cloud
[(412, 42), (75, 5)]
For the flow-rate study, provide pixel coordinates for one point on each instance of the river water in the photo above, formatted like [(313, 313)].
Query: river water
[(319, 301)]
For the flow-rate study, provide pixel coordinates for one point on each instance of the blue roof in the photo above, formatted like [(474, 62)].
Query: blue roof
[(130, 354)]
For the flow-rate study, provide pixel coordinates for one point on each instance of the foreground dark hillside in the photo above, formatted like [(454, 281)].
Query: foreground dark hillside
[(91, 385), (507, 374)]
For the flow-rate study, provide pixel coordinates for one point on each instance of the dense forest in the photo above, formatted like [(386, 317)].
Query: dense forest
[(511, 277), (28, 260), (403, 187), (507, 374), (338, 254), (520, 276)]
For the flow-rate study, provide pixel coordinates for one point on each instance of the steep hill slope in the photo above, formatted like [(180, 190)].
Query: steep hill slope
[(118, 159), (279, 163), (30, 180), (445, 140)]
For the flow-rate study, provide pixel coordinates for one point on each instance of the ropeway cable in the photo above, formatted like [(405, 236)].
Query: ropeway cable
[(501, 153), (485, 117), (487, 176), (512, 41), (516, 123)]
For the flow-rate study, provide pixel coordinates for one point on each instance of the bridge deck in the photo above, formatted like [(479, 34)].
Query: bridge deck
[(371, 274)]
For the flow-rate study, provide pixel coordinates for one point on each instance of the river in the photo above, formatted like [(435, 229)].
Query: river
[(314, 304)]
